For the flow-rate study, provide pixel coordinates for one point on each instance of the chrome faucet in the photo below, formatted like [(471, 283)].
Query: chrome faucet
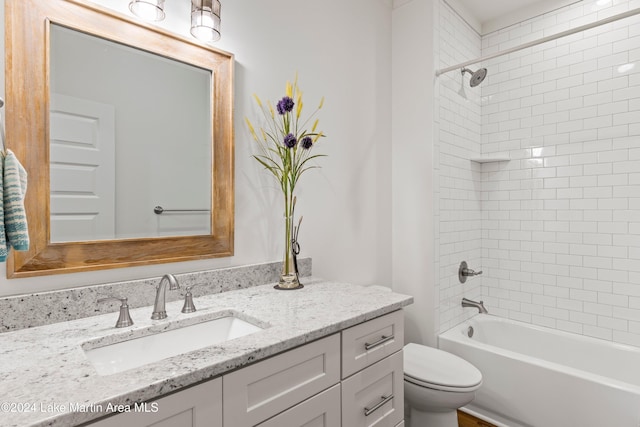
[(478, 305), (159, 311)]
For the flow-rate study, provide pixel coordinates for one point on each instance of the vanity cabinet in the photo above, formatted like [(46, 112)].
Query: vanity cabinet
[(373, 372), (375, 395), (322, 410), (266, 388), (369, 342), (197, 406), (363, 364), (353, 378)]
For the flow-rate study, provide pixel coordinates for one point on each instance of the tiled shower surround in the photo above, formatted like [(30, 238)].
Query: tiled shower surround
[(560, 221)]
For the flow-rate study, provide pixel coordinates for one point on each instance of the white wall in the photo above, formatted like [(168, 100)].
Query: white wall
[(561, 220), (341, 50), (412, 160)]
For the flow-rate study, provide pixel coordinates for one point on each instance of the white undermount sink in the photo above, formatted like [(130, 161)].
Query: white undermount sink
[(133, 353)]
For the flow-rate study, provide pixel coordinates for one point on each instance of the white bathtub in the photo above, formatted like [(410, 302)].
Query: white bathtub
[(535, 376)]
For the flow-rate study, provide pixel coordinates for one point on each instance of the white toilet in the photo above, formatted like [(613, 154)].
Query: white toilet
[(436, 384)]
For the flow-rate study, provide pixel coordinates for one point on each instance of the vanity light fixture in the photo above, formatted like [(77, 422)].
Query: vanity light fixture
[(149, 10), (205, 20), (205, 16)]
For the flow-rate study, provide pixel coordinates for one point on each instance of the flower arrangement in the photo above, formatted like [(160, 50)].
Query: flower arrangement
[(285, 151)]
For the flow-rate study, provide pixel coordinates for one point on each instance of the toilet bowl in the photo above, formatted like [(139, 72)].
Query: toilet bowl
[(436, 384)]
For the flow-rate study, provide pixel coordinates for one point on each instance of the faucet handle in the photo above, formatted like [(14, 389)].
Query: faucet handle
[(124, 319), (188, 301), (464, 271)]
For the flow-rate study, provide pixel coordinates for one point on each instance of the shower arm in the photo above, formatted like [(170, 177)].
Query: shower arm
[(542, 40)]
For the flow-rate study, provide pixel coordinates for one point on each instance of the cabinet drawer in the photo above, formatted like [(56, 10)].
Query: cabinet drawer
[(322, 410), (264, 389), (363, 395), (198, 406), (365, 344)]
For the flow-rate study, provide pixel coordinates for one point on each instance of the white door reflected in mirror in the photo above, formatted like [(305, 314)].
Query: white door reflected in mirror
[(82, 161)]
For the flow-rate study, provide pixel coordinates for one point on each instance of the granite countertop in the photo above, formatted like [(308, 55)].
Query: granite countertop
[(45, 374)]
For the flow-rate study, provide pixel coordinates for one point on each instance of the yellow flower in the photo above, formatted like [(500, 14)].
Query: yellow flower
[(299, 108), (315, 125), (321, 103), (295, 90), (289, 90), (257, 100), (318, 136), (251, 129)]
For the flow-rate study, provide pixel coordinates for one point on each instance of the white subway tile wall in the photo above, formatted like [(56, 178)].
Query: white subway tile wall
[(560, 222), (457, 180)]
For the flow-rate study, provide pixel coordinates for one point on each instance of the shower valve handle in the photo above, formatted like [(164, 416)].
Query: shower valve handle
[(464, 272), (469, 272)]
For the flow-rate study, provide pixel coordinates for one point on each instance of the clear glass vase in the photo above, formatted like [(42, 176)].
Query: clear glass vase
[(289, 276)]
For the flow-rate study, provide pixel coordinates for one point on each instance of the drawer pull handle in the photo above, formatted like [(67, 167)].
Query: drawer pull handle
[(385, 399), (381, 341)]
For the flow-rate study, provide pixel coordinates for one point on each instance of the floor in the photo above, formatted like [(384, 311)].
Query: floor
[(467, 420)]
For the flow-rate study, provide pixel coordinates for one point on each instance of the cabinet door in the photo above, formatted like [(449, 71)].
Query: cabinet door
[(375, 395), (264, 389), (198, 406), (401, 424), (366, 343), (322, 410)]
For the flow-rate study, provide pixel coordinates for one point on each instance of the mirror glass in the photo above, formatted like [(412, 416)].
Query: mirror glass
[(130, 142)]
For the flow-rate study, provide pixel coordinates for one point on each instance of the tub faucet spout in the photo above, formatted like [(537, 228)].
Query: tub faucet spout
[(159, 311), (478, 305)]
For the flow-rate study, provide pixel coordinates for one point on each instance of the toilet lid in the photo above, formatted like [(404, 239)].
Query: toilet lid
[(438, 369)]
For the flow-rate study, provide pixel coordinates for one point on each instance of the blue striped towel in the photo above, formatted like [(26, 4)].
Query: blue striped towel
[(3, 241), (15, 218)]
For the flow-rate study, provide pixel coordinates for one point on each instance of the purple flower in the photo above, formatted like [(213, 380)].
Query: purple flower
[(290, 141), (285, 105), (306, 142)]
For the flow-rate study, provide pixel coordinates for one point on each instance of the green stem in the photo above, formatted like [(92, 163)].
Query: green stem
[(288, 201)]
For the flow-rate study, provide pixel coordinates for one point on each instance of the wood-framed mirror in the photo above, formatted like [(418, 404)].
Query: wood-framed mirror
[(31, 26)]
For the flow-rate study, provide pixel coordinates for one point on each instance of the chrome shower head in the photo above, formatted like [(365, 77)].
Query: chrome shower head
[(476, 77)]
